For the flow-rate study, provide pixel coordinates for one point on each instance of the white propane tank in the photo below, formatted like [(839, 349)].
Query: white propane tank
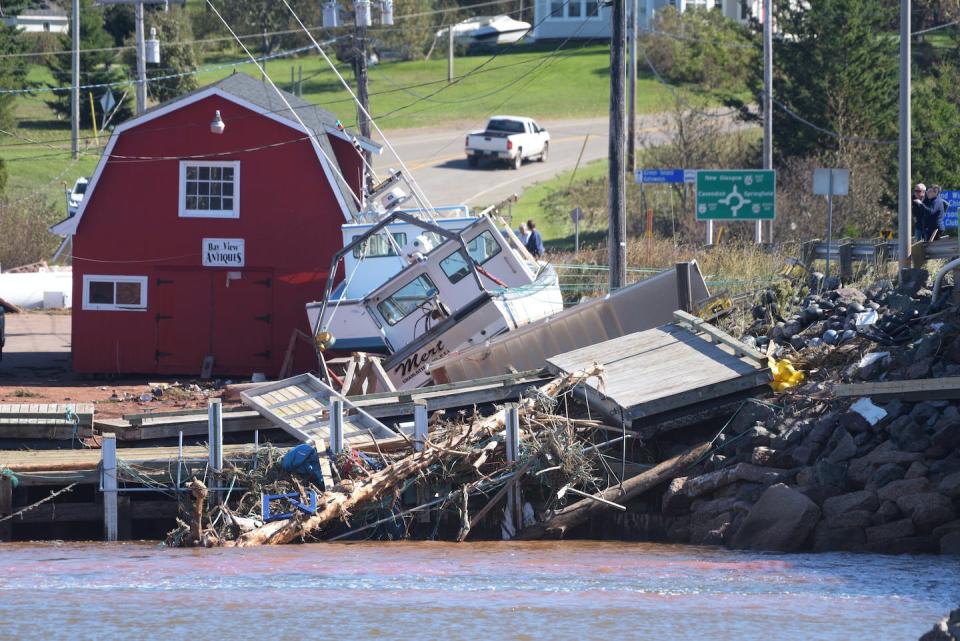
[(151, 52)]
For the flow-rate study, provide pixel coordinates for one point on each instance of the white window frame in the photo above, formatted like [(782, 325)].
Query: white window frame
[(89, 278), (566, 17), (206, 213)]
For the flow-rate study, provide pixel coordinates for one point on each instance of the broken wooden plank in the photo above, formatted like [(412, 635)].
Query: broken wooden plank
[(718, 335), (924, 389)]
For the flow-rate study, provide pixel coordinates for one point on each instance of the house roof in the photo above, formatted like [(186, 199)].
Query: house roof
[(262, 98)]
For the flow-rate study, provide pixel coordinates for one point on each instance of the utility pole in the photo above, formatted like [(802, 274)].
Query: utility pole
[(360, 62), (450, 53), (141, 63), (618, 211), (767, 103), (903, 228), (632, 91), (75, 89)]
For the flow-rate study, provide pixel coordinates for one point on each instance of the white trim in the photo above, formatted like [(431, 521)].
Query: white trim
[(89, 278), (69, 226), (182, 210), (373, 148)]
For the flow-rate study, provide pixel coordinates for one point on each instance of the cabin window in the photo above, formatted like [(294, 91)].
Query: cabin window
[(556, 9), (117, 293), (407, 299), (481, 249), (209, 189), (379, 246)]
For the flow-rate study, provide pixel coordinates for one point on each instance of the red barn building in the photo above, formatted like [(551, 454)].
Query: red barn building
[(191, 244)]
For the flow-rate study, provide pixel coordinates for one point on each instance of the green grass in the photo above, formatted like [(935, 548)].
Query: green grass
[(528, 205), (534, 80)]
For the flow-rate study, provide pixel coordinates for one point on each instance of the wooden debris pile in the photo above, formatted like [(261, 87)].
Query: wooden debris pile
[(463, 474)]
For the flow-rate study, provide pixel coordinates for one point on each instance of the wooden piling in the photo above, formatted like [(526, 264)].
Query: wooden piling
[(6, 508), (420, 428), (514, 499)]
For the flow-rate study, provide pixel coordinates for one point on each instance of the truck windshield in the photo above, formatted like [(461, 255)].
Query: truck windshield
[(502, 124)]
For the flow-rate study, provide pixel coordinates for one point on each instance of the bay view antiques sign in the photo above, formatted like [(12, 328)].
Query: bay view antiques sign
[(223, 252)]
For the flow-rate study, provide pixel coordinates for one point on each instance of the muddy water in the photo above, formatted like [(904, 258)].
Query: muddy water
[(427, 591)]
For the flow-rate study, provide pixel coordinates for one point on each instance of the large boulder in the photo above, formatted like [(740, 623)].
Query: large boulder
[(950, 485), (781, 520), (894, 490), (927, 510), (860, 500), (946, 629)]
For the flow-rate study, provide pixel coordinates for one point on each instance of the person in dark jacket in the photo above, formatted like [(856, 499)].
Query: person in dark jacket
[(919, 193), (535, 242), (934, 211)]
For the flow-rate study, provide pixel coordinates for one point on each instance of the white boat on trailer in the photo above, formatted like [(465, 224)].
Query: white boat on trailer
[(473, 285)]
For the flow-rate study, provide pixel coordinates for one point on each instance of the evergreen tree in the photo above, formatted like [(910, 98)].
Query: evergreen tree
[(936, 117), (13, 73), (96, 67), (835, 68)]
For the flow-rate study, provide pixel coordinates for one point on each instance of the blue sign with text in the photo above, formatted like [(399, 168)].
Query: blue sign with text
[(660, 176), (952, 197)]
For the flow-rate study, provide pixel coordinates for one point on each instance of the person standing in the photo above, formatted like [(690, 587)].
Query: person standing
[(934, 212), (535, 242), (523, 233), (917, 211)]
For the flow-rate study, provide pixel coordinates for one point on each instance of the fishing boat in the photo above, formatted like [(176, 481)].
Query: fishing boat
[(475, 283), (487, 30)]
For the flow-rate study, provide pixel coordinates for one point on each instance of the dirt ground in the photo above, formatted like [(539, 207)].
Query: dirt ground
[(36, 369)]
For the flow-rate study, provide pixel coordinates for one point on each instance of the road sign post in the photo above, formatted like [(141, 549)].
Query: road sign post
[(736, 194), (575, 215), (830, 183)]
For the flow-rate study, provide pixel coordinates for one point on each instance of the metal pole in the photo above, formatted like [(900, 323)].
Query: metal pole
[(829, 225), (450, 54), (420, 425), (632, 91), (709, 233), (108, 468), (512, 420), (903, 228), (767, 103), (618, 211), (75, 90), (215, 435), (141, 63), (336, 426), (576, 236)]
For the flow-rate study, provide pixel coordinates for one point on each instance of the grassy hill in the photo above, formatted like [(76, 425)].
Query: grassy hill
[(539, 80)]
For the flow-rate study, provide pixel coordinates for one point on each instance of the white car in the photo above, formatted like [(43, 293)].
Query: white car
[(508, 138), (75, 196)]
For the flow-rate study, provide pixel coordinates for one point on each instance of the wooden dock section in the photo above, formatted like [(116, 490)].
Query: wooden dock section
[(657, 373), (55, 421)]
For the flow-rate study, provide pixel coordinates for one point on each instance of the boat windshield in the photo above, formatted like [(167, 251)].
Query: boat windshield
[(481, 249), (407, 299)]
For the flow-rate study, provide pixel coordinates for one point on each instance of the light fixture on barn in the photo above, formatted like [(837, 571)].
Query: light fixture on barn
[(217, 125)]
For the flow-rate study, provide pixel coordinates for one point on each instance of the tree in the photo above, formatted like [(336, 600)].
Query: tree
[(120, 22), (266, 17), (13, 74), (177, 55), (700, 46), (835, 69), (936, 119), (410, 37), (96, 68)]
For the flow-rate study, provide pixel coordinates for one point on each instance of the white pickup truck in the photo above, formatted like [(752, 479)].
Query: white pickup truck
[(510, 138)]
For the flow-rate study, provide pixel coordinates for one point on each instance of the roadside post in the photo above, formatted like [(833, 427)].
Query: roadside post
[(575, 215), (830, 183), (735, 194)]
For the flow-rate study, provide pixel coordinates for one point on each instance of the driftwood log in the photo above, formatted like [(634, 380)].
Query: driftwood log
[(557, 523), (344, 498)]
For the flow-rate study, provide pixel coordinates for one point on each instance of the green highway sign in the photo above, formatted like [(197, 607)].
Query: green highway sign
[(736, 194)]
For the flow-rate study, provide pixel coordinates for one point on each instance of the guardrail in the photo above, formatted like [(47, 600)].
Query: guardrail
[(876, 251)]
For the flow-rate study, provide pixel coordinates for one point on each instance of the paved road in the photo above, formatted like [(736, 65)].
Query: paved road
[(436, 158), (38, 346)]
